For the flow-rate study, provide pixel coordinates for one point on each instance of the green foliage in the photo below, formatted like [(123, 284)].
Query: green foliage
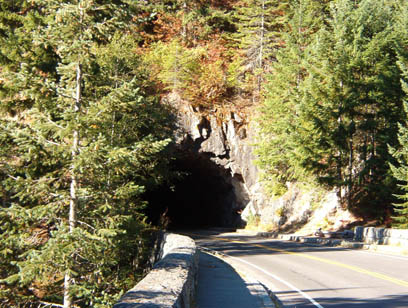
[(190, 72), (253, 221), (94, 91), (175, 65), (79, 113), (283, 131), (259, 26), (333, 100), (400, 153), (353, 99)]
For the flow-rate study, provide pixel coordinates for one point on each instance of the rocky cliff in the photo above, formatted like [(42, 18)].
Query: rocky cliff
[(225, 143)]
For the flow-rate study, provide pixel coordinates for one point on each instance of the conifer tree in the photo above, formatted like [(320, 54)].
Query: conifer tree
[(18, 19), (352, 99), (334, 108), (400, 173), (400, 168), (79, 157), (282, 130), (175, 65), (259, 24)]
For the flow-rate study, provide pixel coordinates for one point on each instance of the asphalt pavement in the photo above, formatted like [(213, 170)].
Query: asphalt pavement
[(302, 275), (221, 286)]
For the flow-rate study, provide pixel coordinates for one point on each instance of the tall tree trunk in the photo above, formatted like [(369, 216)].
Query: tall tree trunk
[(73, 204), (262, 35), (339, 163), (373, 151), (339, 175), (184, 26), (261, 47), (350, 179)]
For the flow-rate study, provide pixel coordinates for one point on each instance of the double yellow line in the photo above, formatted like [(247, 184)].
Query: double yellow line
[(396, 281)]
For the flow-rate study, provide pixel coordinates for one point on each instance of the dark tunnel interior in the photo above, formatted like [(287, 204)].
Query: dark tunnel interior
[(203, 197)]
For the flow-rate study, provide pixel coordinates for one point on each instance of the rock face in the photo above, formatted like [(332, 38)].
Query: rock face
[(304, 210), (226, 147), (227, 144)]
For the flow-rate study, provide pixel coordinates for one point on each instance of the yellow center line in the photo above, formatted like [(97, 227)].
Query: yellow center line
[(339, 264)]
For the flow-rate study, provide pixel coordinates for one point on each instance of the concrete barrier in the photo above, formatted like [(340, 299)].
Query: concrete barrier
[(172, 281), (381, 236)]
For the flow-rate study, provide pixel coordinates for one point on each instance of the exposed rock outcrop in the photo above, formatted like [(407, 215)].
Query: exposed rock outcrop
[(304, 210), (227, 143)]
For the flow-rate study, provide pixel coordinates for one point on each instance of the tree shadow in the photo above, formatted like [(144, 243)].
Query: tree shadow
[(391, 301), (255, 246)]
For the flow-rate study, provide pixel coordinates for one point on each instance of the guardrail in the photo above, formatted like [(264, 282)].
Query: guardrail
[(381, 236), (171, 282)]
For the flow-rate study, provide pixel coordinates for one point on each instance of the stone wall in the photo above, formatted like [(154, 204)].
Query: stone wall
[(172, 281), (382, 236)]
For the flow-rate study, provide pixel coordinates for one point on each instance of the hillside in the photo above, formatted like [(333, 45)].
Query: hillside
[(318, 82), (120, 117)]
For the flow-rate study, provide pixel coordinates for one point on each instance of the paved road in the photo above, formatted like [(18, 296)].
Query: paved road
[(315, 276), (219, 285)]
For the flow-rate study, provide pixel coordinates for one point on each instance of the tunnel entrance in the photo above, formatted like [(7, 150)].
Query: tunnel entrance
[(204, 196)]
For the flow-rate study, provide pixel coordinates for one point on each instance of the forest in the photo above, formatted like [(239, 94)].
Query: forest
[(85, 135)]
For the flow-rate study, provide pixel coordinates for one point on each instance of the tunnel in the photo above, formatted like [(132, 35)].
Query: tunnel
[(202, 196)]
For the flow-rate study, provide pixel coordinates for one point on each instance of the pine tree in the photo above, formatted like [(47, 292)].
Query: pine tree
[(175, 65), (352, 98), (400, 153), (400, 172), (18, 19), (332, 106), (80, 156), (259, 24), (282, 129)]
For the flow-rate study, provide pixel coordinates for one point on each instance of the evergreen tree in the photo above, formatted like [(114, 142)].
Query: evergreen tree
[(189, 72), (333, 102), (79, 157), (259, 24), (352, 99), (18, 19), (400, 170), (400, 173), (175, 65), (282, 129)]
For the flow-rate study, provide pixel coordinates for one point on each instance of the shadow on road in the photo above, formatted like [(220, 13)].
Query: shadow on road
[(373, 291), (394, 301), (219, 285)]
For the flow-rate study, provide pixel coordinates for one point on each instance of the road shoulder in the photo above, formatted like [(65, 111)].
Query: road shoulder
[(263, 297)]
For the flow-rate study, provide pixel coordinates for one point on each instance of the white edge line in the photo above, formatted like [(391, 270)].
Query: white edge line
[(305, 295)]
